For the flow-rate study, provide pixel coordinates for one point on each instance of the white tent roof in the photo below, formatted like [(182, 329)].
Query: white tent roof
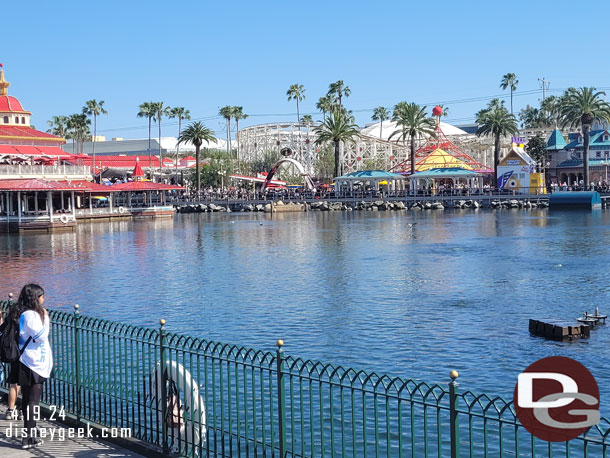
[(389, 127)]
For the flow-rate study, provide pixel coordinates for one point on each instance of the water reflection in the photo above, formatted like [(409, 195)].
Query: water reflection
[(367, 289)]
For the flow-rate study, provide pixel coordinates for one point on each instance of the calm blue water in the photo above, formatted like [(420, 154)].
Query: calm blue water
[(361, 289)]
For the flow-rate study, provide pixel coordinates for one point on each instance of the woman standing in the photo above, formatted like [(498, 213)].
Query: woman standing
[(36, 360)]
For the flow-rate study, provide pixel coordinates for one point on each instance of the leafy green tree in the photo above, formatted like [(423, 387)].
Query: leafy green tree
[(182, 114), (337, 128), (264, 164), (325, 163), (374, 163), (196, 133), (497, 122), (338, 90), (380, 114), (412, 122), (325, 104), (147, 111), (296, 92), (510, 81), (227, 113), (580, 107), (536, 148), (532, 118), (217, 169), (94, 108)]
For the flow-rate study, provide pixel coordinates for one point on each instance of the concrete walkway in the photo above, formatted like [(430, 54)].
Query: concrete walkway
[(55, 448)]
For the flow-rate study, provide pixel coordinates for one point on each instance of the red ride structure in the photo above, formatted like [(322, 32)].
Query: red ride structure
[(439, 141)]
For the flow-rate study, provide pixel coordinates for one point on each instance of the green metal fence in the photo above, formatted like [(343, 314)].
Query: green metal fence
[(194, 397)]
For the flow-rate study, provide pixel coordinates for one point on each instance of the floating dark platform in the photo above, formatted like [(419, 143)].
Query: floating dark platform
[(575, 199), (558, 330)]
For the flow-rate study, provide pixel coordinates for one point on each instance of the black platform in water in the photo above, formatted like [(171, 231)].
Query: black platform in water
[(575, 199), (558, 330)]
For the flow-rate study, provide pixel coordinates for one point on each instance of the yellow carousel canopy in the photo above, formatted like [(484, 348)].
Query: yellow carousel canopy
[(440, 159)]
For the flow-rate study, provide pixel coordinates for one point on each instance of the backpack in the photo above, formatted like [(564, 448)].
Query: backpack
[(9, 341)]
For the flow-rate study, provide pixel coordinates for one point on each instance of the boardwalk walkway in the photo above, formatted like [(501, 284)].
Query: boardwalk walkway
[(78, 447)]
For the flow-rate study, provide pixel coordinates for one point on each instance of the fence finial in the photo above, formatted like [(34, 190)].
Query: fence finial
[(280, 343), (10, 296), (162, 321), (454, 374), (76, 307)]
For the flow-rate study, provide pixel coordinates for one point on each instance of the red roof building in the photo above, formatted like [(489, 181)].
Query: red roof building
[(121, 162), (15, 128)]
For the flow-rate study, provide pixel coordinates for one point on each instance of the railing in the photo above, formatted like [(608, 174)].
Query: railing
[(243, 402), (20, 169)]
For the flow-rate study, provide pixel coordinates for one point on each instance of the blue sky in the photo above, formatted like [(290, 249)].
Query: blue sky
[(203, 55)]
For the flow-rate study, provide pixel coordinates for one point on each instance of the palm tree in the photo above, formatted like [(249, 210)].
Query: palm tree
[(338, 127), (180, 113), (338, 89), (510, 81), (196, 133), (147, 111), (296, 92), (95, 108), (227, 113), (582, 107), (160, 110), (380, 114), (412, 122), (78, 127), (325, 104), (307, 120), (58, 125), (238, 113), (497, 122)]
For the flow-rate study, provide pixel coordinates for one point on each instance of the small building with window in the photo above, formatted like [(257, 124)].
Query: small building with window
[(568, 161)]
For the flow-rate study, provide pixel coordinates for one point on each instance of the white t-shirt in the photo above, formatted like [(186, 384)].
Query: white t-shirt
[(37, 355)]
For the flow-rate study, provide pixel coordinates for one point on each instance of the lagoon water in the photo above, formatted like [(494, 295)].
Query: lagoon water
[(362, 289)]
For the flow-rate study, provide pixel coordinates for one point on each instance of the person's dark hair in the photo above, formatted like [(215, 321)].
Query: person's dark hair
[(29, 300)]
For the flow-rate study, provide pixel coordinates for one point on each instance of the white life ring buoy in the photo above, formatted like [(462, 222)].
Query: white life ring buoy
[(186, 424), (63, 219), (121, 210)]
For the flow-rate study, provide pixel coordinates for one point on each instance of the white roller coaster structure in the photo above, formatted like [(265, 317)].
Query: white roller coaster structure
[(254, 141)]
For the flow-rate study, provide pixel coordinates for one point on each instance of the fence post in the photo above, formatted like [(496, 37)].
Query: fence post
[(77, 361), (281, 402), (163, 381), (453, 414)]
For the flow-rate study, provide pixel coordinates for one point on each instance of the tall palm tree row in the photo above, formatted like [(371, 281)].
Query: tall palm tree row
[(182, 114), (78, 129), (337, 127), (58, 125), (412, 122), (496, 122), (238, 113), (296, 92), (227, 113), (196, 133), (338, 90), (380, 114), (160, 110), (510, 81), (94, 108), (580, 107), (325, 104), (147, 111)]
